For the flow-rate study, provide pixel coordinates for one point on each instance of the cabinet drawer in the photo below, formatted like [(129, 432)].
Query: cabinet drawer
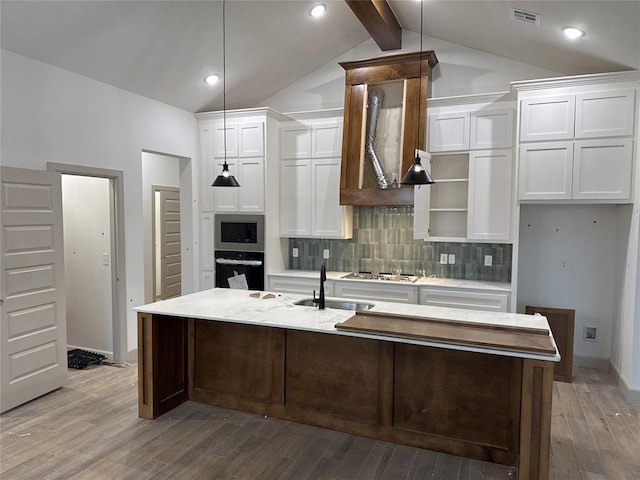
[(385, 292), (494, 302), (299, 285)]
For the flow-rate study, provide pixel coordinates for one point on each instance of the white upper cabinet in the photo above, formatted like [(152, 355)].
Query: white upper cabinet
[(547, 118), (490, 205), (546, 171), (577, 146), (245, 158), (295, 141), (491, 129), (449, 132), (485, 128), (605, 114), (310, 181)]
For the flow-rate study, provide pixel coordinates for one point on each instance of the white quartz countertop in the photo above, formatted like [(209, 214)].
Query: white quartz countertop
[(431, 281), (223, 304)]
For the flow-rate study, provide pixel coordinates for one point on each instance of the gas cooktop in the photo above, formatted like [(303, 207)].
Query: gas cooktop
[(389, 277)]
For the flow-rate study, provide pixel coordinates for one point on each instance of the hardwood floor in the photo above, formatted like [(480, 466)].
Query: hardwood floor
[(90, 430)]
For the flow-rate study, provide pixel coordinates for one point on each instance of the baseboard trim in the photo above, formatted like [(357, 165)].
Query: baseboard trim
[(598, 363), (631, 394), (132, 356)]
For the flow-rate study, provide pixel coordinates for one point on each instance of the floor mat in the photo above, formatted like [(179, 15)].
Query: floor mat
[(80, 359)]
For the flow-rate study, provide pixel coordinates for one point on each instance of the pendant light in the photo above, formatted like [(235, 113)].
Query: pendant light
[(417, 174), (225, 179)]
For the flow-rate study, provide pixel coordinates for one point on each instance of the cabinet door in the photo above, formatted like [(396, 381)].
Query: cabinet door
[(219, 140), (385, 291), (489, 214), (449, 132), (491, 129), (421, 211), (545, 171), (602, 169), (251, 191), (326, 140), (327, 215), (208, 172), (295, 198), (605, 114), (547, 118), (225, 199), (207, 258), (251, 139), (295, 141)]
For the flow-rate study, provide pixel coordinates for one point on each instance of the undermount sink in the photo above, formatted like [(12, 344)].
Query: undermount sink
[(339, 304)]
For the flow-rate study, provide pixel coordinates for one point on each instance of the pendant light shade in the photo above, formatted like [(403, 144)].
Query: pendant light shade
[(417, 174), (225, 179)]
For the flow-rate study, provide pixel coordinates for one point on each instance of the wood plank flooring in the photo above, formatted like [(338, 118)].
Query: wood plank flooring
[(90, 430)]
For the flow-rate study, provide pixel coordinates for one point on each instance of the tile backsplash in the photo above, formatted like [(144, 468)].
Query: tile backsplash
[(383, 241)]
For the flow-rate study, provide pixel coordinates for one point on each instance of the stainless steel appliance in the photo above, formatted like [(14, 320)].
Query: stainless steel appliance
[(239, 250)]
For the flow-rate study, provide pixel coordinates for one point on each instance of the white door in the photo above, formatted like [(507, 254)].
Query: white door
[(33, 336), (170, 261)]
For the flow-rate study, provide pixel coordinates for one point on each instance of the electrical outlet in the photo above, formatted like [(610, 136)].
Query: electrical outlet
[(443, 258), (452, 259), (590, 334), (294, 252), (325, 254), (488, 260), (563, 264)]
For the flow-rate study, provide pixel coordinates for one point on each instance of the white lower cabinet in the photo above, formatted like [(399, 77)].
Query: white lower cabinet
[(581, 170), (299, 285), (442, 297), (387, 292)]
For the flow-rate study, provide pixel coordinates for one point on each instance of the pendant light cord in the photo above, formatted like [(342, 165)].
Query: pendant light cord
[(224, 81), (420, 78)]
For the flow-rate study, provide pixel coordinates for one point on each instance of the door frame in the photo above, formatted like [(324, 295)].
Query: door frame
[(118, 276), (154, 189)]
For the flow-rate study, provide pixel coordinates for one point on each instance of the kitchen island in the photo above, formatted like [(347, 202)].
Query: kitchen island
[(261, 353)]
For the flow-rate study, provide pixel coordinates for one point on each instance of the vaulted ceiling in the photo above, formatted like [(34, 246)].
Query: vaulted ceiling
[(164, 49)]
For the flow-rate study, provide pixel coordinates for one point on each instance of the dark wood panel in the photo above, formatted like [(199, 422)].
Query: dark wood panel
[(374, 196), (561, 322), (162, 364), (466, 396), (510, 338), (236, 361), (380, 21), (334, 375)]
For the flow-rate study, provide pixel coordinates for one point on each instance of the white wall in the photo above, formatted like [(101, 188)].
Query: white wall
[(162, 171), (87, 236), (585, 237), (51, 115), (460, 71)]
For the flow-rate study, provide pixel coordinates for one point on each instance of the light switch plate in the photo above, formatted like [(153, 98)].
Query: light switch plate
[(443, 258), (325, 254), (294, 252), (452, 259), (488, 260)]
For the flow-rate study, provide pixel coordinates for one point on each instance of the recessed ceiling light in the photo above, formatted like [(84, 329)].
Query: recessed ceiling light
[(572, 32), (211, 79), (318, 10)]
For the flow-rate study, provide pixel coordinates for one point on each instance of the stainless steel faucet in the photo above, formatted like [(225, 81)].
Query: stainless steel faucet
[(323, 278)]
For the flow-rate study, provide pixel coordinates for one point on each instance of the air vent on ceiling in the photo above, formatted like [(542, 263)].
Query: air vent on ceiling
[(524, 16)]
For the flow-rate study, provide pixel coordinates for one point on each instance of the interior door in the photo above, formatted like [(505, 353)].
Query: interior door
[(170, 261), (33, 316)]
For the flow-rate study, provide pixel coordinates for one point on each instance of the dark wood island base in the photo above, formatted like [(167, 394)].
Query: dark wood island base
[(489, 407)]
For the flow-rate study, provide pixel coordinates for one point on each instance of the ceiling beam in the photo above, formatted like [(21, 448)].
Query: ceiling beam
[(380, 21)]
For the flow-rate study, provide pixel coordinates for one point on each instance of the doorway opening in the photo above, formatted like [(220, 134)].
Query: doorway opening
[(93, 220)]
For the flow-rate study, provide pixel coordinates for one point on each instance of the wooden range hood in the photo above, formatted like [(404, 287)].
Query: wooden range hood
[(410, 72)]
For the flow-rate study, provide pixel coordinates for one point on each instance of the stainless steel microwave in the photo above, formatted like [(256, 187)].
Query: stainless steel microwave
[(242, 233)]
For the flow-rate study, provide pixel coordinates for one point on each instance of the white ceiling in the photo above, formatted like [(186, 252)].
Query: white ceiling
[(163, 49)]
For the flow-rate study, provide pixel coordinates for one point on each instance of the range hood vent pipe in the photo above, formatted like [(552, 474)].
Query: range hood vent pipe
[(376, 95)]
